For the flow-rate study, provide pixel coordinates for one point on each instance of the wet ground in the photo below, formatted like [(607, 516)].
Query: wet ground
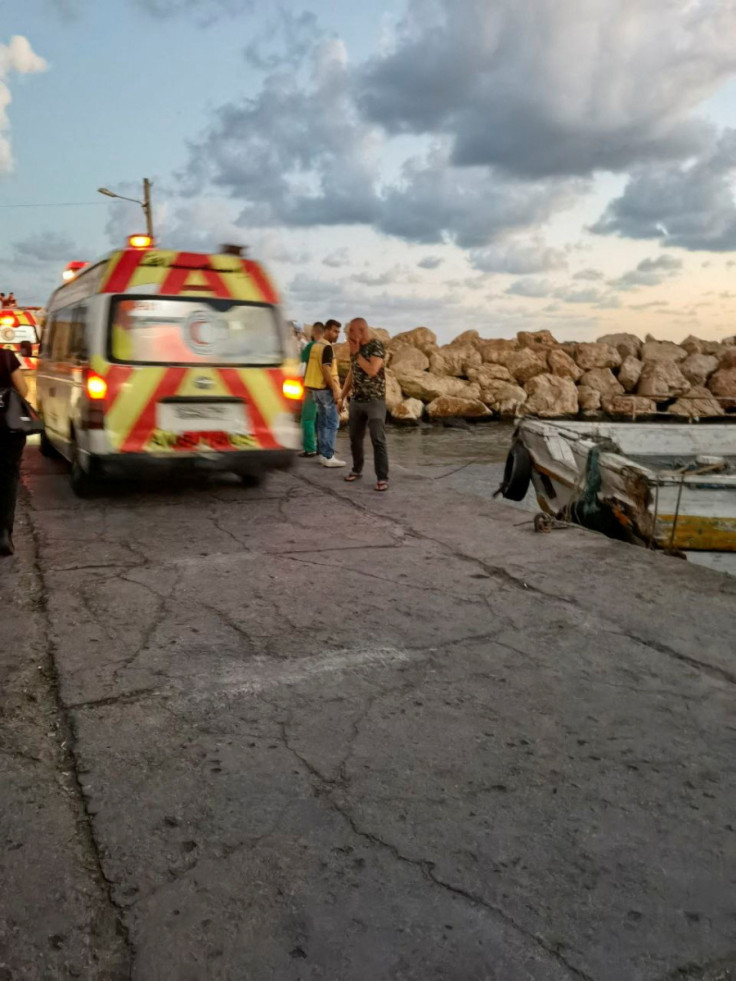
[(467, 457)]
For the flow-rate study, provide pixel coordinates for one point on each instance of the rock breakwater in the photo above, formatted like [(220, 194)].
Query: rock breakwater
[(617, 375)]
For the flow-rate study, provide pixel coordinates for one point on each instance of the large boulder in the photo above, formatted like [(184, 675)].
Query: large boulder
[(455, 360), (406, 358), (698, 368), (536, 339), (420, 338), (593, 355), (550, 396), (448, 407), (727, 358), (394, 395), (661, 380), (427, 386), (723, 385), (561, 364), (503, 397), (699, 403), (342, 353), (382, 335), (627, 345), (525, 364), (496, 350), (589, 400), (409, 410), (630, 406), (487, 373), (653, 350), (630, 372), (468, 338), (692, 344), (602, 380)]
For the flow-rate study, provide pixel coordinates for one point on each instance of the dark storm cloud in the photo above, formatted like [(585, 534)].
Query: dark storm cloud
[(298, 154), (538, 88), (687, 205)]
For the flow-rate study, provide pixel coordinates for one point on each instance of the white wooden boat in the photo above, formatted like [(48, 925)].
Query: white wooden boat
[(667, 486)]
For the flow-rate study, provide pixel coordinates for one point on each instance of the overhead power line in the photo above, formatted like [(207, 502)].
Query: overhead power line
[(64, 204)]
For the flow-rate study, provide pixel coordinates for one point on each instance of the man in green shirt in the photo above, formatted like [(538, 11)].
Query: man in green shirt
[(309, 409)]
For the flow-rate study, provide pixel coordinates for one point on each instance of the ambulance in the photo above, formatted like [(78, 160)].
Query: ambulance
[(155, 361), (19, 333)]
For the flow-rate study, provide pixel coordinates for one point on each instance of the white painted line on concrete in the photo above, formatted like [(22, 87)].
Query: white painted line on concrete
[(265, 674)]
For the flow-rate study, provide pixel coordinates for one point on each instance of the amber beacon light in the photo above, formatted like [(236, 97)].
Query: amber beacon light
[(140, 242)]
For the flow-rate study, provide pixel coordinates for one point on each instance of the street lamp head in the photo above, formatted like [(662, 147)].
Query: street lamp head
[(104, 190)]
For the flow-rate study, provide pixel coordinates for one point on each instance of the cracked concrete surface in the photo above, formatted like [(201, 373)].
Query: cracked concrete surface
[(313, 732)]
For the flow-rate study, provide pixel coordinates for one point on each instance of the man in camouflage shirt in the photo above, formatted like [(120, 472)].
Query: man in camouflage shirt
[(366, 383)]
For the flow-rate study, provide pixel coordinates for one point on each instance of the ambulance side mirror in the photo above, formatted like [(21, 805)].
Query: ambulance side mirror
[(26, 349)]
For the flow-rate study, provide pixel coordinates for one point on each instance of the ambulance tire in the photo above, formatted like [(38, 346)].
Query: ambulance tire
[(83, 484), (47, 447), (252, 479), (517, 473)]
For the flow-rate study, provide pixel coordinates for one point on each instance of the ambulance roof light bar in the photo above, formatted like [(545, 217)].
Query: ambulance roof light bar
[(72, 270)]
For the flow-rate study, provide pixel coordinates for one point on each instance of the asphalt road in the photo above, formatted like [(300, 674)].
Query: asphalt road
[(314, 732)]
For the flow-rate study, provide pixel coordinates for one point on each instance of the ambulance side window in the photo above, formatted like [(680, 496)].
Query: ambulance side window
[(48, 336), (60, 344), (78, 339)]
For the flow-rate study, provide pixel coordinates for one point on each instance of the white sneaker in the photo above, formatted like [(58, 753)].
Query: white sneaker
[(320, 459), (333, 462)]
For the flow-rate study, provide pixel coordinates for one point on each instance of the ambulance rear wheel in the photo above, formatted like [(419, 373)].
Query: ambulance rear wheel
[(252, 479), (82, 482), (47, 447)]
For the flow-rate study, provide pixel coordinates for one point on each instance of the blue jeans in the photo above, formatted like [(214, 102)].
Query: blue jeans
[(328, 422)]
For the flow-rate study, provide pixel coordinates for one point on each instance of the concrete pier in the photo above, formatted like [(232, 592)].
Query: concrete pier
[(315, 732)]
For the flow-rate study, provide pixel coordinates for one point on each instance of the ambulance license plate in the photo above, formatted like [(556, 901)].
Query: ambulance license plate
[(201, 416)]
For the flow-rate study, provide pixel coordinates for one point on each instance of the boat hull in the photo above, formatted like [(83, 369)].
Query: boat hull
[(648, 490)]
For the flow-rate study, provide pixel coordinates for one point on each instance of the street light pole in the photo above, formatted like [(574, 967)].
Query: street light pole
[(145, 203), (147, 206)]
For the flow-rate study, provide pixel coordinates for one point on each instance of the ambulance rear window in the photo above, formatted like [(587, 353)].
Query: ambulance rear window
[(190, 330), (14, 335)]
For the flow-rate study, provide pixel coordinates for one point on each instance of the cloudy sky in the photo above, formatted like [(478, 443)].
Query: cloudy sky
[(494, 164)]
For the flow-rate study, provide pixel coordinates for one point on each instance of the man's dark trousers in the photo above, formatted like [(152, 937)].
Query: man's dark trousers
[(373, 416), (11, 450)]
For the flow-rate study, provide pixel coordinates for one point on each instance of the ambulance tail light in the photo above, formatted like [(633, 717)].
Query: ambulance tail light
[(96, 387), (293, 389), (93, 407)]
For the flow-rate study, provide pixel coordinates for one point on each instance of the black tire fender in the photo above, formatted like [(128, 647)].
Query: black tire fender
[(517, 474)]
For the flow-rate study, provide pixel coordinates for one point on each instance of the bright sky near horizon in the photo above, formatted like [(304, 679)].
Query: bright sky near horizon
[(488, 164)]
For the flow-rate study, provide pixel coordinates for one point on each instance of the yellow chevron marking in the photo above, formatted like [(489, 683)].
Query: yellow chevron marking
[(263, 392), (131, 401)]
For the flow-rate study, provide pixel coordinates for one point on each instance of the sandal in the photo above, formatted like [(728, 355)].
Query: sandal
[(382, 485), (352, 477)]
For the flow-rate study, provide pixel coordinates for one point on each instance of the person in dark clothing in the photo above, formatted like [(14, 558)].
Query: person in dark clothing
[(366, 384), (11, 450)]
